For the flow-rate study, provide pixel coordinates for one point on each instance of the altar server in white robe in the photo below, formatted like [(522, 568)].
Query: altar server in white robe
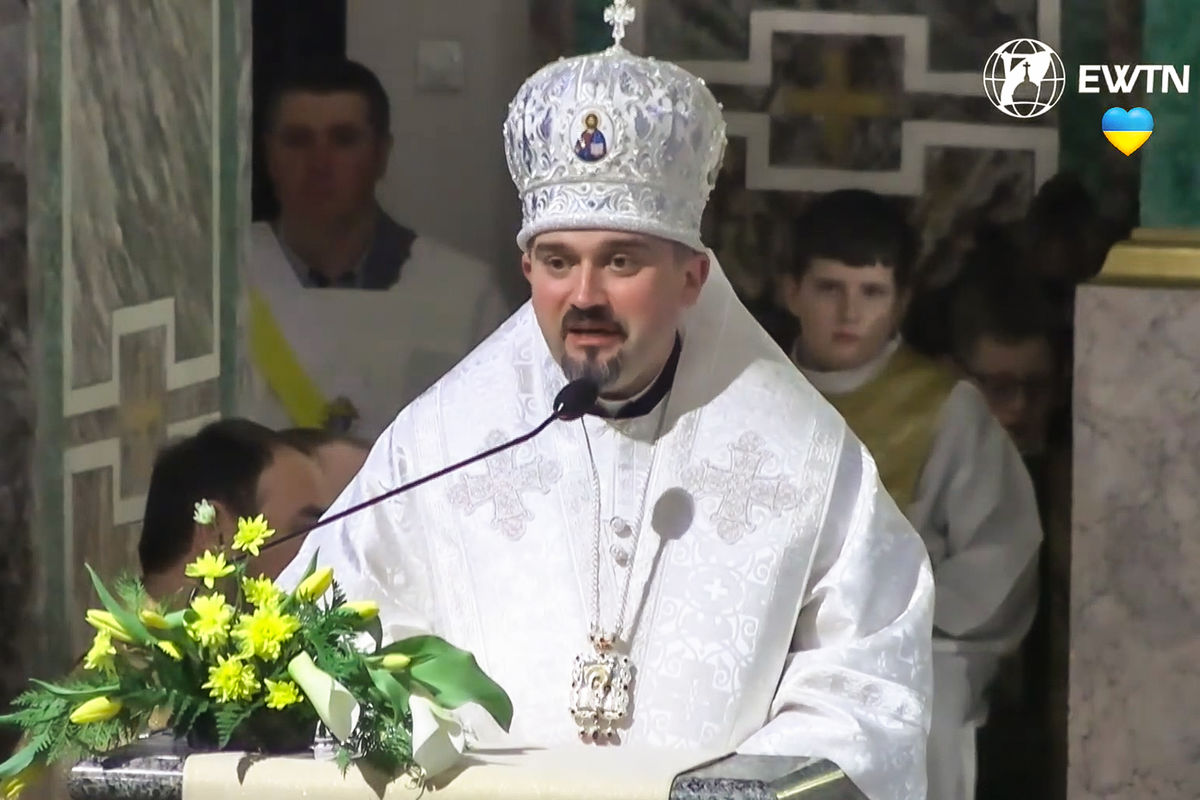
[(712, 520), (347, 315), (941, 454)]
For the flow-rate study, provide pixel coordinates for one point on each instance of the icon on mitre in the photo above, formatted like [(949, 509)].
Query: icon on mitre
[(591, 145)]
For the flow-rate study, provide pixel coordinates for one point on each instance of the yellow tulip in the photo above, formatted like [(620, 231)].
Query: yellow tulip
[(12, 788), (315, 585), (365, 609), (153, 619), (104, 621), (394, 662), (98, 709)]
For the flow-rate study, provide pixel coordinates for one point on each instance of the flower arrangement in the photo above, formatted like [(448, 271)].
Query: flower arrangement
[(248, 667)]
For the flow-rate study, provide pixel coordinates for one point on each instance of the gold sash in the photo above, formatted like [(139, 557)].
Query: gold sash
[(895, 415), (275, 360)]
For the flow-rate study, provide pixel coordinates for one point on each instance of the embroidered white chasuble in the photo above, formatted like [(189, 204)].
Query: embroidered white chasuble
[(779, 602), (975, 508)]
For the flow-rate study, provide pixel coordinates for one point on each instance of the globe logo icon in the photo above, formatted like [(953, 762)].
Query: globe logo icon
[(1024, 78)]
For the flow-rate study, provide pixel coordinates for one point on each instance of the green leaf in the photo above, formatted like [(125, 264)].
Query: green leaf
[(344, 758), (228, 718), (392, 689), (185, 710), (129, 621), (453, 677), (374, 627), (337, 597), (21, 759), (130, 591), (310, 569), (78, 693)]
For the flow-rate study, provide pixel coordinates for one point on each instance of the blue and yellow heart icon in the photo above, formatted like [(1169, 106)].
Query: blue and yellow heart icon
[(1127, 130)]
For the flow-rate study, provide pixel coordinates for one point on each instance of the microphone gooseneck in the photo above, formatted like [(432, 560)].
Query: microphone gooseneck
[(571, 403)]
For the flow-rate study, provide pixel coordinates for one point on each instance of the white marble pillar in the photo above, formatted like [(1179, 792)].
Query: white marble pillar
[(1135, 560)]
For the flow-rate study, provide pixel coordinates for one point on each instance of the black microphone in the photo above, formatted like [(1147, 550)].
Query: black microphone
[(572, 402), (576, 399)]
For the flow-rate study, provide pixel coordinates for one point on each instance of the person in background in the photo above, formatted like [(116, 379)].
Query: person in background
[(1003, 334), (1003, 330), (334, 286), (340, 456), (243, 469), (942, 456)]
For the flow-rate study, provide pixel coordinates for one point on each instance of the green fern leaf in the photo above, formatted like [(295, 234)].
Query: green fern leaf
[(229, 717)]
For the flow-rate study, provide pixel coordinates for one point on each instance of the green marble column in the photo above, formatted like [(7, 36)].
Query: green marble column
[(1170, 196), (1099, 33), (138, 193)]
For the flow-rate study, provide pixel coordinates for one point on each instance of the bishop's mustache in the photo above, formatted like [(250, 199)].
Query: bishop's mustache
[(594, 318)]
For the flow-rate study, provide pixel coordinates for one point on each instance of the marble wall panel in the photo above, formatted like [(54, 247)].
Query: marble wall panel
[(836, 108), (838, 111), (141, 209)]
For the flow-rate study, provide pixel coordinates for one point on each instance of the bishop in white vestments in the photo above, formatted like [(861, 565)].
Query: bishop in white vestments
[(707, 560)]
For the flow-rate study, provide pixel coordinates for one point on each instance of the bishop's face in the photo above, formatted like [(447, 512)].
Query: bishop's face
[(847, 313), (609, 303)]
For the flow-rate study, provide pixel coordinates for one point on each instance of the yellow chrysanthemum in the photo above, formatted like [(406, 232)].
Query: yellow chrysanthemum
[(232, 680), (205, 513), (261, 591), (211, 626), (264, 632), (281, 694), (100, 657), (208, 567), (251, 534), (171, 649)]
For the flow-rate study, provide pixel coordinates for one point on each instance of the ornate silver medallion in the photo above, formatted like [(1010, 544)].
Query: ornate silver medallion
[(600, 684)]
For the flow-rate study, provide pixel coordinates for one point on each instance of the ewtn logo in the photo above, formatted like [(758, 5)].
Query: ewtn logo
[(1024, 78), (1129, 78)]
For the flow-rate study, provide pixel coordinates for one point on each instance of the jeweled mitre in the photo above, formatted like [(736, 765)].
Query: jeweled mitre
[(614, 141)]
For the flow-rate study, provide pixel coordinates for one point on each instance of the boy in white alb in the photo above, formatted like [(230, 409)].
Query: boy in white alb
[(943, 457)]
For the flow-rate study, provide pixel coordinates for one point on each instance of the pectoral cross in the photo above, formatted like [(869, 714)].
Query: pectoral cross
[(600, 688), (618, 15)]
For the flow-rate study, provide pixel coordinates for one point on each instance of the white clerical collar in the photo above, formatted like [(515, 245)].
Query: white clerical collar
[(847, 380)]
